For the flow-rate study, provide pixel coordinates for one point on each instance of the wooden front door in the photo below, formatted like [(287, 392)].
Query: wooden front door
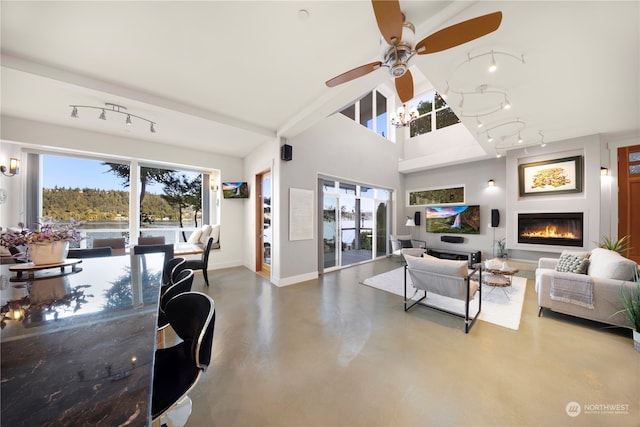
[(629, 198)]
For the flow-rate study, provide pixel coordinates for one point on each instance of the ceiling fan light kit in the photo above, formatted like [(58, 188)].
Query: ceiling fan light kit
[(113, 108), (391, 21)]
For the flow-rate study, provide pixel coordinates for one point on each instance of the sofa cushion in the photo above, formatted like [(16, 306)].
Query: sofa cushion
[(572, 264), (432, 264), (608, 264)]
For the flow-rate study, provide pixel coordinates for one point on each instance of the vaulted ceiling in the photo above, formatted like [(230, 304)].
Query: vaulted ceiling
[(226, 76)]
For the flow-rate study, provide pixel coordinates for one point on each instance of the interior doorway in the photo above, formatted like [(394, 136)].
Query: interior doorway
[(629, 198), (263, 223)]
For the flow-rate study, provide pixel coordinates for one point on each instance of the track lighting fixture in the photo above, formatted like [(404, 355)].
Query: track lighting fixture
[(520, 140), (493, 67), (479, 123), (113, 108)]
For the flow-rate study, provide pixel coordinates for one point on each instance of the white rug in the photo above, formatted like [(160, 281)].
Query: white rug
[(497, 308)]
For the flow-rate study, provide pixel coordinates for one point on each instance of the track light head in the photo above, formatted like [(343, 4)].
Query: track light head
[(493, 67), (112, 108)]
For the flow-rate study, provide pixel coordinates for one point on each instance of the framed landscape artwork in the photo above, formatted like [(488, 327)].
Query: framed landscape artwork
[(436, 195), (557, 176)]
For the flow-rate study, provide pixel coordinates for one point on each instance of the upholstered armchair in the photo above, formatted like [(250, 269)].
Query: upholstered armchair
[(405, 245)]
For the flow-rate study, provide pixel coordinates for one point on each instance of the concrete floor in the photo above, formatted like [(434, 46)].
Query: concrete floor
[(333, 352)]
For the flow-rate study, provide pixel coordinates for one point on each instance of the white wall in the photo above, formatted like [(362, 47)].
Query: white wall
[(474, 176), (587, 201), (335, 147), (24, 135)]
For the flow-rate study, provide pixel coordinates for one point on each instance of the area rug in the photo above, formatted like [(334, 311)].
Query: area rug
[(497, 307)]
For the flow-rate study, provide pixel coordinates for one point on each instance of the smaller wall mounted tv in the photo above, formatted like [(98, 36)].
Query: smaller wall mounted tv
[(463, 219), (235, 190)]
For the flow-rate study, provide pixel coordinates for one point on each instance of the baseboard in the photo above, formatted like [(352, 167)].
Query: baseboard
[(280, 282)]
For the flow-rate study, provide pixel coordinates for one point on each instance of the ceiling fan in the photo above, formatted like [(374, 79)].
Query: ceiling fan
[(390, 21)]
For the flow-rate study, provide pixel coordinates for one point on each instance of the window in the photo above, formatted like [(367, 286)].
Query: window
[(432, 109), (169, 202), (365, 110)]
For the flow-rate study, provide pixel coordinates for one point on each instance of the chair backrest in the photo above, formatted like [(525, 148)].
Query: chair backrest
[(171, 268), (192, 316), (19, 257), (150, 249), (183, 283), (206, 252), (116, 243), (151, 240), (90, 253)]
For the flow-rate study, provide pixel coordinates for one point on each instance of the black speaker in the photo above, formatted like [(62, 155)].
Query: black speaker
[(286, 152), (416, 218), (452, 239), (495, 217)]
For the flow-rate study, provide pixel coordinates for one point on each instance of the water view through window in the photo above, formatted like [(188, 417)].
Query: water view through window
[(168, 203)]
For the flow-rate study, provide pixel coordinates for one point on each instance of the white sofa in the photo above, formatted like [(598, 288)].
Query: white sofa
[(591, 288)]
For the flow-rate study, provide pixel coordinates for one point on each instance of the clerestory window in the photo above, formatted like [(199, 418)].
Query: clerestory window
[(371, 112), (432, 109)]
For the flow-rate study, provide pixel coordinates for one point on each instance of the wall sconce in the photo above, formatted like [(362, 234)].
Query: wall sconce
[(14, 167), (491, 183), (604, 171)]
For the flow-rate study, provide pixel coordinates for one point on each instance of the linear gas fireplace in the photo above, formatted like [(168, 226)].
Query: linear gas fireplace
[(561, 229)]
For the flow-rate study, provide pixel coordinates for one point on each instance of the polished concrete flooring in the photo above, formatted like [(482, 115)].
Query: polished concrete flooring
[(333, 352)]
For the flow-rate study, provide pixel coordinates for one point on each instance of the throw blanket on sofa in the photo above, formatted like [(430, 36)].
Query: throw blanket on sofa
[(572, 288)]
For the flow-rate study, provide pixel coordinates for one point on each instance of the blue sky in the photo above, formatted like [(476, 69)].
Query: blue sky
[(70, 172)]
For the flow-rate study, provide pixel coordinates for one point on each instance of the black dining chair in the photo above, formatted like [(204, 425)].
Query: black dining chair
[(151, 249), (203, 262), (151, 240), (90, 252), (177, 369), (18, 256), (115, 243), (171, 269), (182, 284)]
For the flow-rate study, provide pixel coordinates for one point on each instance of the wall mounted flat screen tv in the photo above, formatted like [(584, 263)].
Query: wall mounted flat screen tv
[(453, 219), (235, 190)]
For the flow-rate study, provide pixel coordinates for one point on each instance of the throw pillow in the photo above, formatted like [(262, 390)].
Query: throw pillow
[(215, 233), (608, 264), (406, 243), (194, 239), (572, 264), (206, 231)]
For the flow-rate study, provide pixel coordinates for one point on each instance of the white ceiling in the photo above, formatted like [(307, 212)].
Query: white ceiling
[(226, 76)]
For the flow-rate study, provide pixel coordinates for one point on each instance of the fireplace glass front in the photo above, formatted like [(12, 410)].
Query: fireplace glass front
[(560, 229)]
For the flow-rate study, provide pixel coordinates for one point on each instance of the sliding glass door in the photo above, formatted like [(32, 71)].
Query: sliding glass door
[(352, 231)]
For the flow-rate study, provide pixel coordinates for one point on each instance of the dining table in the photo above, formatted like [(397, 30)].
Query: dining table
[(78, 344)]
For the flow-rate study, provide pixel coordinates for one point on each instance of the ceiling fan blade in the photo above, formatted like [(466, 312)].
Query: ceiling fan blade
[(459, 33), (389, 18), (404, 87), (353, 74)]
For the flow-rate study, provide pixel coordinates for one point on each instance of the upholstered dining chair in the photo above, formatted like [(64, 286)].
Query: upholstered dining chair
[(90, 252), (177, 369), (171, 268), (203, 262), (151, 249), (151, 240), (115, 243), (18, 256), (182, 284)]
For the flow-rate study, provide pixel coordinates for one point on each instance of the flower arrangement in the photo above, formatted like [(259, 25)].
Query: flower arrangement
[(49, 231)]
